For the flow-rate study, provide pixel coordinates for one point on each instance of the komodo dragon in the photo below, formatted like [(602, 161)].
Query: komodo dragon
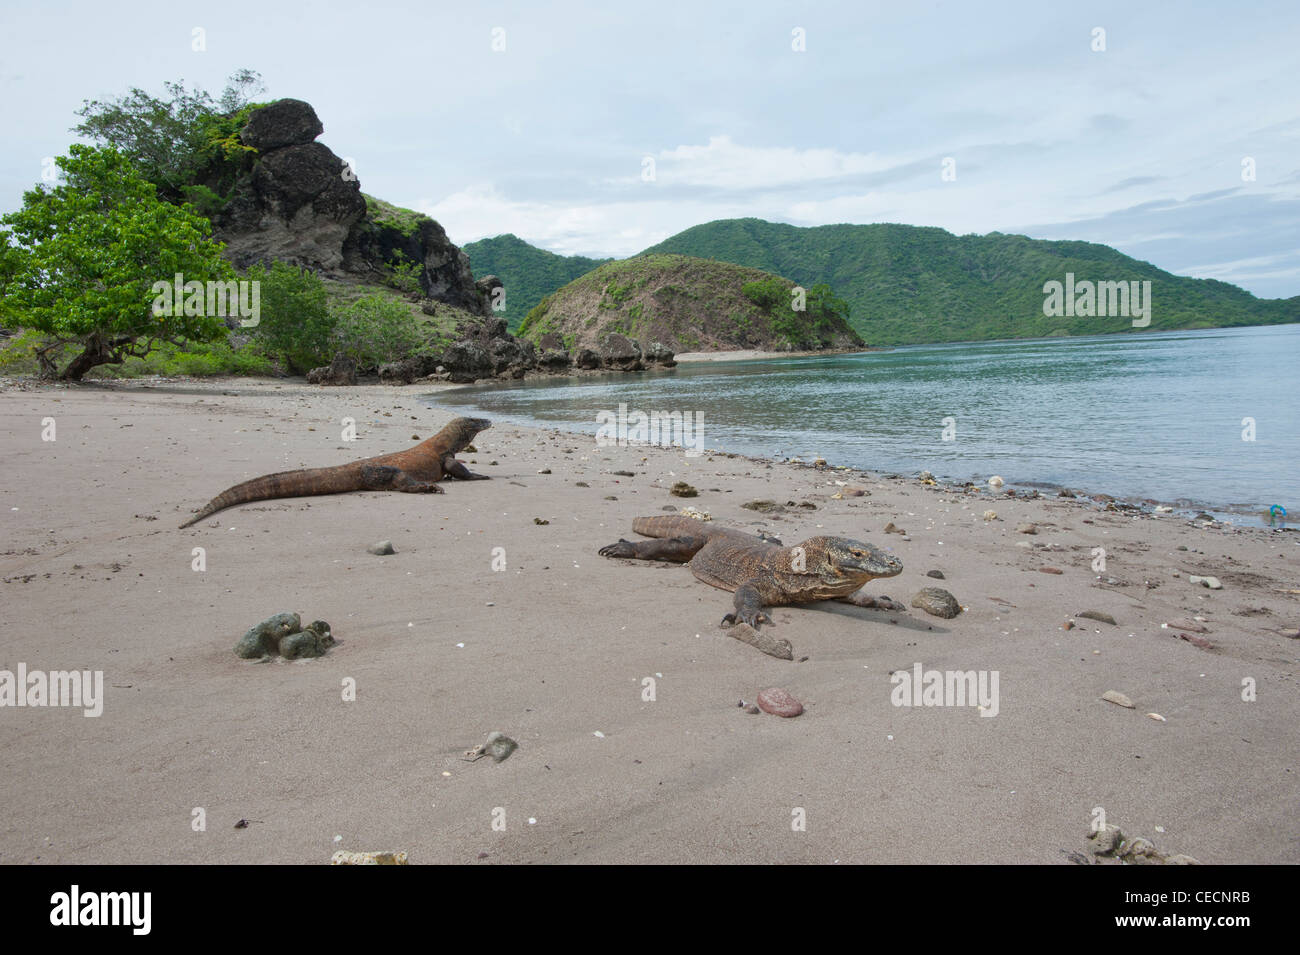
[(760, 571), (415, 471)]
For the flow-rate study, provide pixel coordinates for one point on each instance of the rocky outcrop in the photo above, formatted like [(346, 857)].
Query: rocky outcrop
[(621, 353), (485, 349), (660, 354), (301, 204), (341, 371)]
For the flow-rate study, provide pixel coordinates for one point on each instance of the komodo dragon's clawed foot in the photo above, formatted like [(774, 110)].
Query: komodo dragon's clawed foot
[(624, 548), (751, 617), (860, 599), (458, 470)]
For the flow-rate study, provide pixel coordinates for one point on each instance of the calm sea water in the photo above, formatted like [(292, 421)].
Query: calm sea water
[(1152, 415)]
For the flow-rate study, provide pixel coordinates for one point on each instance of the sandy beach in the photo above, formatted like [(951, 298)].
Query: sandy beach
[(556, 651)]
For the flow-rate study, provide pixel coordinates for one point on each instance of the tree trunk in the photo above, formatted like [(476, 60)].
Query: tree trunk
[(97, 352)]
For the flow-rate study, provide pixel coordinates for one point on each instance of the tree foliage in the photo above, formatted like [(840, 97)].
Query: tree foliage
[(179, 139), (82, 257)]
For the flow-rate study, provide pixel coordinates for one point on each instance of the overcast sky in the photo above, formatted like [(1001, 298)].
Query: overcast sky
[(1139, 146)]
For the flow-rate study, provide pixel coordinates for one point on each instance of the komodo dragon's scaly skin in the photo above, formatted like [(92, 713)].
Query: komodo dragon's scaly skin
[(415, 471), (761, 572)]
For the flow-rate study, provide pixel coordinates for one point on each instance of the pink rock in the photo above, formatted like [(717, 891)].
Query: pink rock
[(1050, 570), (778, 702)]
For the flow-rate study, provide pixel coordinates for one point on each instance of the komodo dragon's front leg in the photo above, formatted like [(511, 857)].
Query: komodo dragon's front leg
[(749, 606), (453, 468)]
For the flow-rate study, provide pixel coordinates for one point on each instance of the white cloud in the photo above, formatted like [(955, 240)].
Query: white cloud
[(725, 164)]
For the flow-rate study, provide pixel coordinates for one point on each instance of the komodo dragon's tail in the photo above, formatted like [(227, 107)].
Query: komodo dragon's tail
[(675, 525), (302, 483), (668, 525)]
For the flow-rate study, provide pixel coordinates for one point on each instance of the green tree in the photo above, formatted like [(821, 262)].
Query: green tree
[(295, 317), (85, 256)]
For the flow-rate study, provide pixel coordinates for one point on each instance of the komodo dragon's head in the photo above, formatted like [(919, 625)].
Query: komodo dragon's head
[(464, 430), (842, 565)]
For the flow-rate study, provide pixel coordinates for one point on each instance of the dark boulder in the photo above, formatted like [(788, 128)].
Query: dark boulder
[(286, 122), (659, 354), (552, 341), (407, 370), (621, 352), (586, 358), (341, 371), (295, 206), (553, 360), (467, 361)]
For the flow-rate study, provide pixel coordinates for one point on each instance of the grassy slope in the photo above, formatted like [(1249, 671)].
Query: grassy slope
[(908, 284), (686, 303), (529, 273)]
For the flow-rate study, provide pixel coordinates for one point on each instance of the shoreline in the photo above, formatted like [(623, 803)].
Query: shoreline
[(1241, 515), (755, 354), (554, 649)]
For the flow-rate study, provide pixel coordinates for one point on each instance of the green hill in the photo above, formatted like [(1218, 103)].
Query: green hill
[(529, 273), (690, 304), (909, 284)]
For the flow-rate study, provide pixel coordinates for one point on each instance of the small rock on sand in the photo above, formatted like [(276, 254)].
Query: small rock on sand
[(682, 489), (1050, 570), (1098, 615), (1211, 582), (1026, 529), (936, 574), (499, 746), (346, 857), (892, 528), (1191, 626), (937, 602), (779, 702), (1118, 698), (382, 549), (264, 639), (990, 515)]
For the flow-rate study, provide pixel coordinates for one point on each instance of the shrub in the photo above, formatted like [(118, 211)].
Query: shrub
[(296, 321)]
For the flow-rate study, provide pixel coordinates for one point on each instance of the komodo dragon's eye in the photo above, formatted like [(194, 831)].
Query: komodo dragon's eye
[(858, 553)]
